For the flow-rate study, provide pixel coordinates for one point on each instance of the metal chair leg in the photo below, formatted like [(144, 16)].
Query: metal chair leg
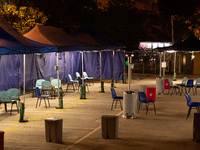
[(189, 110), (112, 104), (120, 104), (154, 107)]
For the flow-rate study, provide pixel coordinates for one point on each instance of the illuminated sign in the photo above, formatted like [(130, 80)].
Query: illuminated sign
[(153, 45)]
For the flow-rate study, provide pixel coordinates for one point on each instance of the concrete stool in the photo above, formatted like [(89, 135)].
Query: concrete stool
[(109, 126), (1, 140), (196, 127), (53, 130)]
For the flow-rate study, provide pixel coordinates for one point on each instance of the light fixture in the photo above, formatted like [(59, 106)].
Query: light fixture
[(172, 51)]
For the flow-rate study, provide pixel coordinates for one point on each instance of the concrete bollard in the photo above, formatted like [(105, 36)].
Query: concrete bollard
[(1, 140), (196, 127), (109, 126), (53, 130)]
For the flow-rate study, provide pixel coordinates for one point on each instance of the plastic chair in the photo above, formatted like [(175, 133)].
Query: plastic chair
[(5, 97), (38, 84), (143, 99), (197, 84), (85, 76), (167, 85), (40, 96), (189, 85), (174, 87), (55, 83), (69, 82), (15, 94), (81, 83), (182, 84), (51, 79), (191, 104), (77, 75), (116, 98), (46, 86)]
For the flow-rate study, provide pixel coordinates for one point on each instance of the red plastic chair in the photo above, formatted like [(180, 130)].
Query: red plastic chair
[(166, 85)]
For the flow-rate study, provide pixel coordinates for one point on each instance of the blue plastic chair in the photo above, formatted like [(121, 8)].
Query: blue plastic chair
[(189, 85), (191, 104), (5, 97), (143, 99), (116, 98), (81, 83), (40, 96), (197, 84), (38, 84)]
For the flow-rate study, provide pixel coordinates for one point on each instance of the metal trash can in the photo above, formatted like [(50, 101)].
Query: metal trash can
[(196, 127), (159, 85), (1, 140), (109, 126), (129, 104), (53, 130)]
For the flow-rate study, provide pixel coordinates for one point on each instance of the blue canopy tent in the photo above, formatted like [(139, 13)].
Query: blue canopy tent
[(108, 59), (11, 43)]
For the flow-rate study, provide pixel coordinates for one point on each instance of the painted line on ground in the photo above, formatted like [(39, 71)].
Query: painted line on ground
[(87, 135)]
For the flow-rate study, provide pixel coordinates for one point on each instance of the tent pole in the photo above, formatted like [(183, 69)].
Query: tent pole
[(24, 78), (82, 69), (58, 74), (160, 65), (113, 65), (100, 67), (164, 68)]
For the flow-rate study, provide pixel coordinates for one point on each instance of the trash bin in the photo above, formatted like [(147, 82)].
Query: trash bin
[(1, 140), (129, 104), (159, 86), (53, 130), (109, 126), (196, 127)]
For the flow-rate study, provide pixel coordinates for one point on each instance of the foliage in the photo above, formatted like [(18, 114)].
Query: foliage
[(186, 15), (23, 18)]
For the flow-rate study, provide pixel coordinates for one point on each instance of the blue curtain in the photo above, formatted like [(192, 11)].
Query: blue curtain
[(91, 64)]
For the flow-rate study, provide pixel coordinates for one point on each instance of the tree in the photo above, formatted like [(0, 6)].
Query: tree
[(24, 18), (66, 14), (186, 14), (122, 22)]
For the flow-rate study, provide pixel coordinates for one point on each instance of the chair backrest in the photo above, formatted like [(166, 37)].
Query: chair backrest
[(77, 74), (70, 77), (51, 79), (142, 97), (5, 97), (197, 82), (170, 82), (14, 93), (46, 85), (85, 75), (166, 84), (184, 81), (39, 83), (188, 98), (37, 90), (114, 95), (79, 81), (190, 83), (55, 83)]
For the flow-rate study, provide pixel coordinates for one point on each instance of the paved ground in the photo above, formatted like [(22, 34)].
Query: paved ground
[(168, 129)]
